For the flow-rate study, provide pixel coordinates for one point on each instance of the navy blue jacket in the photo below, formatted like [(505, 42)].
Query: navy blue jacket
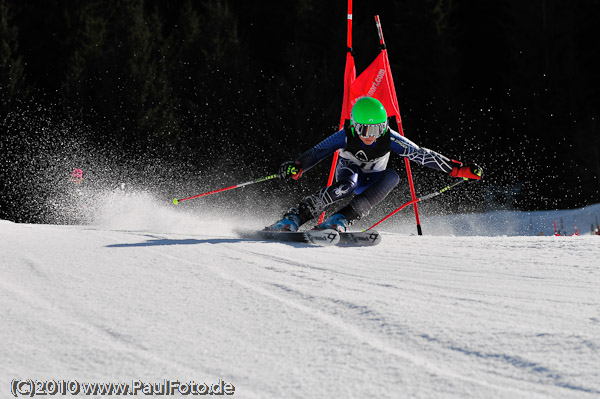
[(373, 161)]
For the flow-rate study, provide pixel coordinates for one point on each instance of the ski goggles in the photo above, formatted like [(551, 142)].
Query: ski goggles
[(377, 130)]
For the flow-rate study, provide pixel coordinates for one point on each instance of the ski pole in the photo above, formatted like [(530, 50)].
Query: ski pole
[(426, 197), (259, 180)]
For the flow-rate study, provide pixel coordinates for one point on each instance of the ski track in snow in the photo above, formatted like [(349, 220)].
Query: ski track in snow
[(418, 317)]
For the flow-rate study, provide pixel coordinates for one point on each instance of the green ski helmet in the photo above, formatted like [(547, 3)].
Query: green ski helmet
[(368, 118)]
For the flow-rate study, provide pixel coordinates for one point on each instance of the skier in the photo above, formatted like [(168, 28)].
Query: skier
[(77, 176), (67, 198), (365, 145)]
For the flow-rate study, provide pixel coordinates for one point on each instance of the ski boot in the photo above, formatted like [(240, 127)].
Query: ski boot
[(290, 222), (336, 222), (296, 217)]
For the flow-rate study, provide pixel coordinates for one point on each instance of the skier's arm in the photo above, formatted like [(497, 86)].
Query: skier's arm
[(431, 159), (325, 148), (423, 156)]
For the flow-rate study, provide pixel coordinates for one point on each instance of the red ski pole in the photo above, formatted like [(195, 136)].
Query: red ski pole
[(414, 201), (259, 180)]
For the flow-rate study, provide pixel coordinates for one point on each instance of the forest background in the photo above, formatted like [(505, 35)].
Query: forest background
[(189, 96)]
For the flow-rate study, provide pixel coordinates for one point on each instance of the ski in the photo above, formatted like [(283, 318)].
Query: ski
[(326, 237), (360, 238), (313, 237)]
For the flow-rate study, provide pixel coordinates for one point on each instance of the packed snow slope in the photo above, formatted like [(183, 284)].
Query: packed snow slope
[(156, 294)]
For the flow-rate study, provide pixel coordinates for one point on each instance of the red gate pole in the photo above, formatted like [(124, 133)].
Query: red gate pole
[(399, 121), (349, 76)]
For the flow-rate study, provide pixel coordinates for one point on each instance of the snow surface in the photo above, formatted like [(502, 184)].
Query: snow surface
[(156, 292)]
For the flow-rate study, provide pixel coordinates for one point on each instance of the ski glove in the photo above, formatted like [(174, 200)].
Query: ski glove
[(471, 171), (291, 169)]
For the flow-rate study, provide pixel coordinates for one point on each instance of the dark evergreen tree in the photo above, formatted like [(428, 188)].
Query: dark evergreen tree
[(552, 87), (12, 71)]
